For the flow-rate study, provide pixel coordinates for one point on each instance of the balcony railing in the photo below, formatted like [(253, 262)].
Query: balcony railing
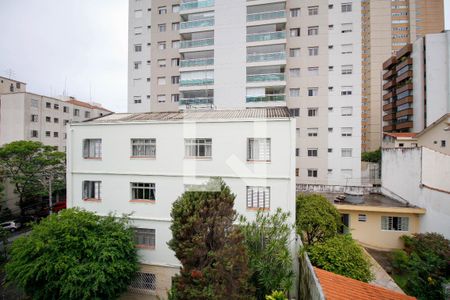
[(197, 23), (196, 4), (197, 62), (194, 82), (260, 57), (266, 36), (196, 43), (265, 77), (196, 101), (269, 15), (266, 98)]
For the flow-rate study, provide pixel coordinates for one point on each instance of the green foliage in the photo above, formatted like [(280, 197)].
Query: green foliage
[(29, 166), (341, 255), (317, 219), (374, 156), (4, 236), (276, 295), (267, 240), (74, 255), (425, 264), (6, 214), (210, 248)]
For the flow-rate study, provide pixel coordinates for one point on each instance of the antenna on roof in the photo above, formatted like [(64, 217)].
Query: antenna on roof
[(9, 73), (90, 92), (65, 87)]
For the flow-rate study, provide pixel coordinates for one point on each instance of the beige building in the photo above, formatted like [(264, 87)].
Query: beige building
[(387, 26), (437, 136), (400, 140), (11, 86)]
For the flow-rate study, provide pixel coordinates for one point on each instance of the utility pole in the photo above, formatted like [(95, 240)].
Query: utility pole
[(50, 179)]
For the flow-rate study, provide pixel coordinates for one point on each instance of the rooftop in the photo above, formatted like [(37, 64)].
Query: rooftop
[(338, 287), (366, 200), (10, 79), (85, 104), (401, 134), (226, 114)]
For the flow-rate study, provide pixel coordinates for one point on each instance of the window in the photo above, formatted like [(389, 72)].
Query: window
[(295, 12), (144, 238), (312, 152), (87, 114), (76, 112), (55, 134), (162, 63), (144, 281), (346, 69), (162, 10), (330, 150), (65, 109), (34, 118), (258, 149), (362, 217), (313, 10), (55, 120), (34, 103), (161, 98), (258, 197), (162, 27), (297, 151), (313, 131), (313, 70), (313, 112), (330, 129), (346, 111), (47, 133), (294, 52), (346, 48), (297, 172), (198, 148), (161, 80), (394, 223), (48, 105), (313, 30), (294, 32), (138, 13), (48, 119), (137, 30), (313, 51), (143, 147), (294, 92), (175, 44), (175, 8), (346, 90), (312, 173), (137, 99), (138, 48), (346, 27), (142, 191), (175, 79), (137, 65), (175, 62), (92, 148), (34, 133), (295, 72), (294, 112), (175, 97), (175, 26), (346, 7), (346, 131), (443, 143), (313, 91), (346, 152), (56, 106), (91, 190), (161, 45)]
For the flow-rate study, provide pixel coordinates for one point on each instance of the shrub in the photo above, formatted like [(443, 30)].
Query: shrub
[(276, 295)]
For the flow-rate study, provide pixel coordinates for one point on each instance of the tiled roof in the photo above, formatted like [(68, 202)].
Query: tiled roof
[(401, 134), (228, 114), (85, 104), (338, 287)]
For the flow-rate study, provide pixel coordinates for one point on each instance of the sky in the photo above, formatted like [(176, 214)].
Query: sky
[(77, 48)]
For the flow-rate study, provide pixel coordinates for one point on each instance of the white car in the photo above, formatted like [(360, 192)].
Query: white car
[(11, 225)]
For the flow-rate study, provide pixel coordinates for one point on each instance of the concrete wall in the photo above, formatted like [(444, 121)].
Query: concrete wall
[(420, 176), (433, 138)]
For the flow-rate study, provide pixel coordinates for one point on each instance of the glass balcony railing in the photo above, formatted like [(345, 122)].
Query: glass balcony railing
[(265, 77), (197, 62), (266, 36), (196, 43), (197, 23), (196, 4), (196, 101), (260, 57), (269, 15), (194, 82), (265, 98)]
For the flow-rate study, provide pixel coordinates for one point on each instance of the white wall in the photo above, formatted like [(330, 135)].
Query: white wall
[(404, 174)]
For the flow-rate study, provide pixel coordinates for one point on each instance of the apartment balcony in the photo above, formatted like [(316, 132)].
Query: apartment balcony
[(388, 74), (196, 24), (389, 63), (265, 77), (196, 101), (389, 84), (389, 117), (388, 106), (265, 98), (388, 95), (406, 87), (405, 76), (404, 125), (266, 36), (196, 43), (404, 51), (404, 63), (408, 99), (267, 16), (196, 82), (405, 112), (389, 128), (195, 5), (266, 57), (199, 62)]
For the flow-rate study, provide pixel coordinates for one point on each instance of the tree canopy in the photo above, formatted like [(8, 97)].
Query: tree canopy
[(317, 219), (210, 248), (74, 255)]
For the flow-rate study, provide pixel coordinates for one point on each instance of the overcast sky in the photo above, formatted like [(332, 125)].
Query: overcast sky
[(77, 45)]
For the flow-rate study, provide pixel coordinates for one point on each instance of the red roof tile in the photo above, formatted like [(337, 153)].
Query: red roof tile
[(85, 104), (401, 134), (338, 287)]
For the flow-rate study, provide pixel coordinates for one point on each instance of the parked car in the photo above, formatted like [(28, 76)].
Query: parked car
[(58, 206), (11, 225)]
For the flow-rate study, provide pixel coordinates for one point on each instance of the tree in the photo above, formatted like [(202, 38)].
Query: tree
[(341, 255), (33, 168), (211, 250), (317, 218), (425, 264), (267, 240), (4, 240), (74, 255), (373, 156)]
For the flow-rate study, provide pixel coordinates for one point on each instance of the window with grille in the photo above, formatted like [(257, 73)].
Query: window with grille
[(346, 152), (312, 173), (346, 111), (198, 148), (313, 10), (313, 112), (294, 112), (91, 190), (313, 51), (312, 152), (362, 217), (92, 148), (143, 147), (346, 7), (313, 131), (258, 149), (346, 69), (346, 27), (394, 223), (34, 118), (346, 131), (258, 197), (142, 191), (313, 30), (144, 281), (144, 238), (34, 133)]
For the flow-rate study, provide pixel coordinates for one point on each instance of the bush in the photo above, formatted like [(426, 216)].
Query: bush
[(374, 156), (317, 219), (341, 255), (74, 255), (276, 295)]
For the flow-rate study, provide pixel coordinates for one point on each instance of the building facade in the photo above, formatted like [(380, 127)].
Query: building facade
[(387, 26), (141, 163), (306, 56), (11, 86)]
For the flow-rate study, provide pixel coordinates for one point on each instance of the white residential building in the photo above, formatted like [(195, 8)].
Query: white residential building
[(140, 163), (220, 54)]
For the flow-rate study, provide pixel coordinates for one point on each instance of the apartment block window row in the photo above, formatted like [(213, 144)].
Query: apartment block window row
[(198, 148), (141, 191), (143, 148)]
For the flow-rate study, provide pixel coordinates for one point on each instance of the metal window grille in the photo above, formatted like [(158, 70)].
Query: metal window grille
[(143, 283)]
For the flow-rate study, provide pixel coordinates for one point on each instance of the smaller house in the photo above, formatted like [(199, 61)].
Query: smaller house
[(338, 287), (399, 140), (436, 136)]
